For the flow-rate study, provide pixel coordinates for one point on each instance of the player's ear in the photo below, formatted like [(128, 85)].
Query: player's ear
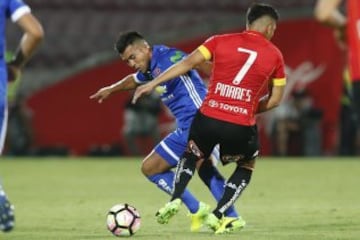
[(270, 29)]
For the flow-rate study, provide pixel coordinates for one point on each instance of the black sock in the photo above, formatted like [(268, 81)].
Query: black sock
[(233, 189), (207, 171), (184, 172)]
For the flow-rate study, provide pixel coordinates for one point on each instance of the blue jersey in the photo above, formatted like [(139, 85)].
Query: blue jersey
[(183, 95), (13, 9)]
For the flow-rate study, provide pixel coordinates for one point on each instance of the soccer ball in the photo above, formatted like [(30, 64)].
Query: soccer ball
[(123, 220)]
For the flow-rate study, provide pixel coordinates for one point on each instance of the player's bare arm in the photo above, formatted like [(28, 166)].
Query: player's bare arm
[(33, 35), (327, 12), (182, 67), (273, 100), (127, 83), (31, 39)]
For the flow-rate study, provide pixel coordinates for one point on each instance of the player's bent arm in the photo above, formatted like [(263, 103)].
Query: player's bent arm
[(127, 83), (31, 39), (273, 100), (327, 12), (182, 67)]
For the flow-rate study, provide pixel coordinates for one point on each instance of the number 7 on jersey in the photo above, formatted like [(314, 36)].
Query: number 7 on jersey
[(247, 65)]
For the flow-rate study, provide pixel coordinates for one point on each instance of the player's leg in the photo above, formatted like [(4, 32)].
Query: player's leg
[(213, 179), (158, 171), (197, 210), (184, 173), (6, 209), (156, 166), (193, 153), (170, 149), (204, 145), (236, 184), (185, 170), (239, 145)]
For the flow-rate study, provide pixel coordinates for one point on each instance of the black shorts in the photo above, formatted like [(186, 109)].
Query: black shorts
[(237, 142)]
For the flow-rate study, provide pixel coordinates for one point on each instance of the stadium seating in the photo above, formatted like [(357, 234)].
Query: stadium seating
[(79, 29)]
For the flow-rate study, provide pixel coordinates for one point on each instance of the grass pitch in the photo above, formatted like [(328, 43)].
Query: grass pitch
[(67, 198)]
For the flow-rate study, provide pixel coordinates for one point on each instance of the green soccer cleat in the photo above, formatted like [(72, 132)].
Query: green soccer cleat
[(230, 224), (198, 218), (212, 222), (168, 211)]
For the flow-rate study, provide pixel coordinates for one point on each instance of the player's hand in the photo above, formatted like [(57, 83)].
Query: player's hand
[(14, 72), (102, 94), (141, 90)]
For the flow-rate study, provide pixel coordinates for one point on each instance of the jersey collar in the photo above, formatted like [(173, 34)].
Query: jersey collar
[(256, 33)]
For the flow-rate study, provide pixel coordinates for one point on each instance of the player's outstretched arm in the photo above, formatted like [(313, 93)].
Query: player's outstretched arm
[(127, 83), (182, 67)]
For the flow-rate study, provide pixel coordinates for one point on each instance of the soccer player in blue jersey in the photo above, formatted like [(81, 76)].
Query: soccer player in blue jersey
[(20, 14), (183, 96)]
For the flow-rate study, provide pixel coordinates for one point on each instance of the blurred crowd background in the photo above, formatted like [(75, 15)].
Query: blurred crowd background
[(50, 109)]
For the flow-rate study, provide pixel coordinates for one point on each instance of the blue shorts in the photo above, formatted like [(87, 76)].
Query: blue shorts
[(173, 145)]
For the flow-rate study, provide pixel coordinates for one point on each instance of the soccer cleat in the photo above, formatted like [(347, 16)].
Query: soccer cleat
[(168, 211), (198, 218), (7, 219), (230, 224), (212, 222)]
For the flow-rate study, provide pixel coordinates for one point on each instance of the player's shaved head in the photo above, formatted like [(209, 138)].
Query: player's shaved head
[(262, 18), (258, 10), (128, 38), (261, 23)]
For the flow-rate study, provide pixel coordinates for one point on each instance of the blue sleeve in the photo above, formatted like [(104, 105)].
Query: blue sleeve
[(14, 5), (163, 60), (176, 55), (169, 58), (140, 78)]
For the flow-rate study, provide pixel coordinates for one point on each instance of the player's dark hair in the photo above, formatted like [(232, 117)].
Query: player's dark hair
[(126, 39), (258, 10)]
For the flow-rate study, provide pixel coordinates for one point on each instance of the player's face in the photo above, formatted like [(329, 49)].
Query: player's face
[(137, 56)]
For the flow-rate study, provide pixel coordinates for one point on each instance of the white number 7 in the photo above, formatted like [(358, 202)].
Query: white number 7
[(245, 68)]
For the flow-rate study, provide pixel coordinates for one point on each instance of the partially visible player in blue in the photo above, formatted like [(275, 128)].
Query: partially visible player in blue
[(183, 96), (20, 14)]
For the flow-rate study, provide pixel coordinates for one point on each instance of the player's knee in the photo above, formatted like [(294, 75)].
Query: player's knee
[(193, 152), (250, 164), (147, 169), (154, 164)]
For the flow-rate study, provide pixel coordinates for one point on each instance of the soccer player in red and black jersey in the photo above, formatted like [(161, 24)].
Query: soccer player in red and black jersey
[(327, 11), (247, 78)]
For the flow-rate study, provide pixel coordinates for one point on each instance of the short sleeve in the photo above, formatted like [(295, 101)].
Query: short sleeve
[(205, 52), (208, 47), (17, 9), (279, 78), (139, 78)]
